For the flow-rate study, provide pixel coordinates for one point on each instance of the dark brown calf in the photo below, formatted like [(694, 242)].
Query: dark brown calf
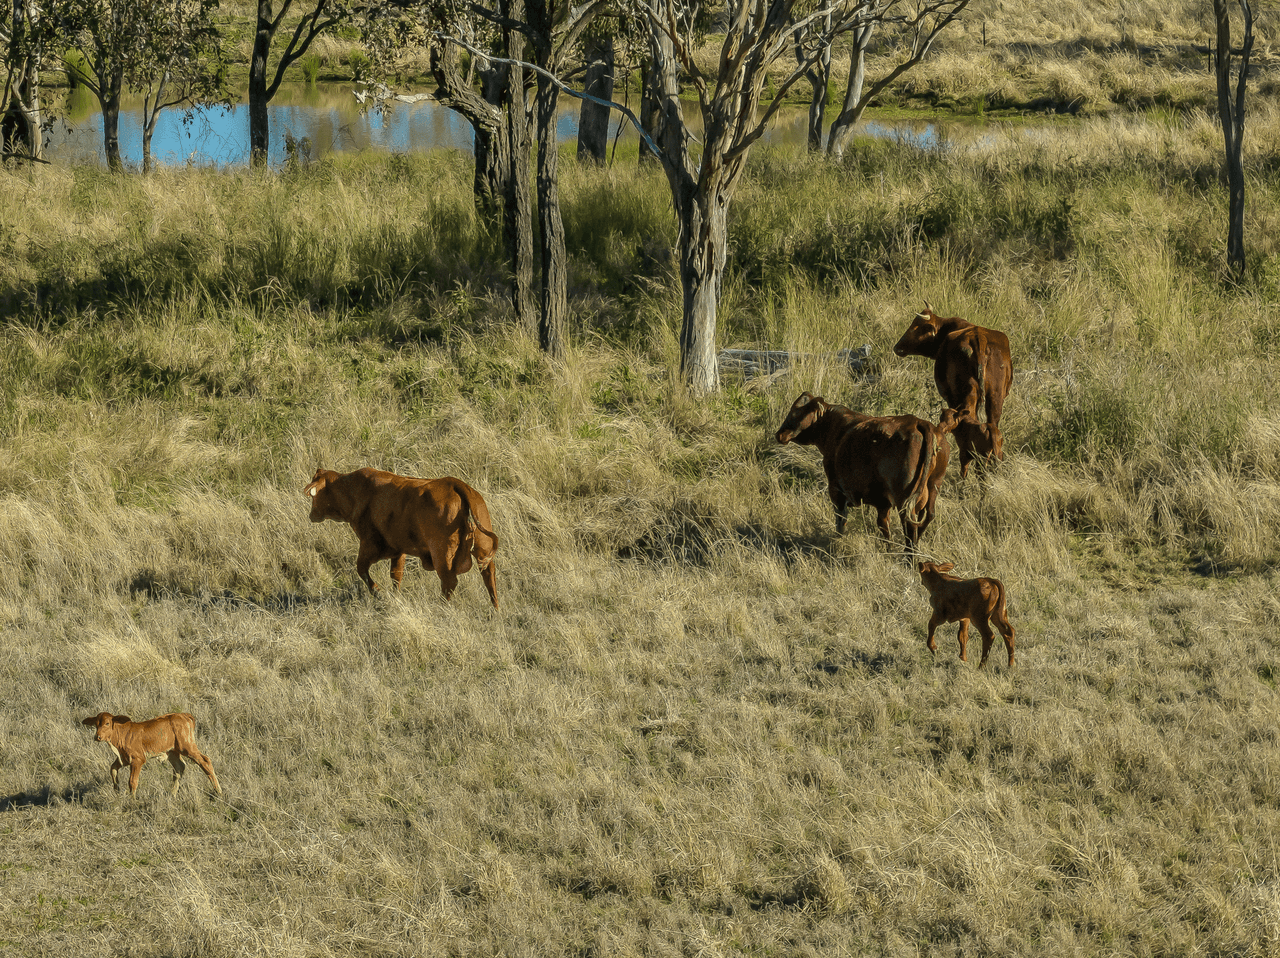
[(972, 365), (133, 743), (886, 462), (982, 441), (960, 600), (444, 522)]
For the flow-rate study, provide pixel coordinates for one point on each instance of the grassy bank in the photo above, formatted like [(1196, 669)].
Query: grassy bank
[(702, 722)]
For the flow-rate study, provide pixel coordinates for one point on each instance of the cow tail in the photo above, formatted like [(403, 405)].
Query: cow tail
[(1002, 608), (472, 523), (918, 501)]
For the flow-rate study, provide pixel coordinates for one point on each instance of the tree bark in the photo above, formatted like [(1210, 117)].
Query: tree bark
[(1231, 113), (819, 76), (593, 120), (555, 273), (20, 130), (704, 244), (852, 107), (259, 122), (109, 97), (518, 198)]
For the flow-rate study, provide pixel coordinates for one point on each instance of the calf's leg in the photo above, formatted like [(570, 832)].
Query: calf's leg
[(175, 759), (962, 636)]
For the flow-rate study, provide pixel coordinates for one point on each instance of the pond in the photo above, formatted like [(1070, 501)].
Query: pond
[(333, 120)]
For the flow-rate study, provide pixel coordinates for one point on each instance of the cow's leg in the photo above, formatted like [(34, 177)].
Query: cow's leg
[(935, 620), (397, 568), (962, 636), (882, 522), (1006, 630), (840, 502), (203, 761), (175, 759), (489, 572), (988, 637), (115, 771), (369, 554), (442, 561), (135, 769)]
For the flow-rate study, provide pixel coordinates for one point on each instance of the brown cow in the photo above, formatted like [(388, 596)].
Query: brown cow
[(436, 520), (960, 600), (971, 364), (977, 440), (133, 743), (880, 461)]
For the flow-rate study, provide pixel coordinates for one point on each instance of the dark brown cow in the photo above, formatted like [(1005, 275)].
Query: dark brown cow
[(961, 600), (880, 461), (436, 520), (133, 743), (971, 364), (977, 440)]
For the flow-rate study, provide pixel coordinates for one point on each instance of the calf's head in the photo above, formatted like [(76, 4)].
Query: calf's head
[(921, 337), (931, 572), (322, 500), (102, 723), (805, 411)]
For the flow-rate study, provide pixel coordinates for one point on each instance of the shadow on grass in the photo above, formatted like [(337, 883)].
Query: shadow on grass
[(150, 585), (685, 540), (43, 798)]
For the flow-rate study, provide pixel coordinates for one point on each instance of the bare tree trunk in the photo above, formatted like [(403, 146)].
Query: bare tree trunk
[(1231, 113), (555, 273), (649, 106), (20, 129), (704, 244), (593, 120), (819, 76), (259, 120), (518, 204), (109, 97), (851, 110)]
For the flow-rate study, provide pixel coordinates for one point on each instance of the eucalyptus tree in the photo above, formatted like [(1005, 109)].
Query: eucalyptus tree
[(141, 44), (181, 63), (316, 17), (1231, 112), (911, 28), (758, 41), (506, 41), (25, 35)]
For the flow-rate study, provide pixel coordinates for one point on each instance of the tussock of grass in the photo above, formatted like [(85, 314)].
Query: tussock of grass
[(702, 721)]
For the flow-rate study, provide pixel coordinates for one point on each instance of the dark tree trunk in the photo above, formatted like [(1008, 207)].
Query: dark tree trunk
[(555, 274), (518, 197), (819, 76), (704, 245), (109, 97), (650, 108), (259, 124), (593, 120), (1231, 112)]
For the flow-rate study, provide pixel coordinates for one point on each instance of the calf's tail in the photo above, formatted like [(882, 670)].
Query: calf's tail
[(472, 522)]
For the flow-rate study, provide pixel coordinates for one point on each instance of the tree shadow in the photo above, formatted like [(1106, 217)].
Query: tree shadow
[(43, 798)]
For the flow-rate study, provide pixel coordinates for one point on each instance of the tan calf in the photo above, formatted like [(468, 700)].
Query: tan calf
[(173, 735), (959, 600)]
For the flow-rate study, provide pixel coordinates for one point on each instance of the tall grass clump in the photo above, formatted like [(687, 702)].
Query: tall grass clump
[(702, 721)]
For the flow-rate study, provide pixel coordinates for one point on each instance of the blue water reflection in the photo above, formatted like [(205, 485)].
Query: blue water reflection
[(331, 118)]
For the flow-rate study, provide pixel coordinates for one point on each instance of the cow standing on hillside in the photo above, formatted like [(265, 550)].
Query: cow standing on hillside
[(172, 735), (884, 462), (972, 366), (981, 601), (444, 522)]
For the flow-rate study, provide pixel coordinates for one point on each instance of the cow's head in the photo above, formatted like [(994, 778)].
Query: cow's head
[(934, 568), (103, 723), (949, 420), (322, 500), (805, 411), (921, 337)]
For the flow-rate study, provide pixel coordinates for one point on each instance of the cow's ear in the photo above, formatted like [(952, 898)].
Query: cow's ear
[(921, 565), (91, 721), (945, 567), (120, 719)]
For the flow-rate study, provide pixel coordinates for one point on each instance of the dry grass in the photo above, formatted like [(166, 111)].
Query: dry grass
[(702, 723)]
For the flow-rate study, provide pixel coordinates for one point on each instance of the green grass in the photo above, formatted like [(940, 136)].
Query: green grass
[(702, 722)]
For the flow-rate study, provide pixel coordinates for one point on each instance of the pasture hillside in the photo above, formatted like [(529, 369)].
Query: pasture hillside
[(702, 723)]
